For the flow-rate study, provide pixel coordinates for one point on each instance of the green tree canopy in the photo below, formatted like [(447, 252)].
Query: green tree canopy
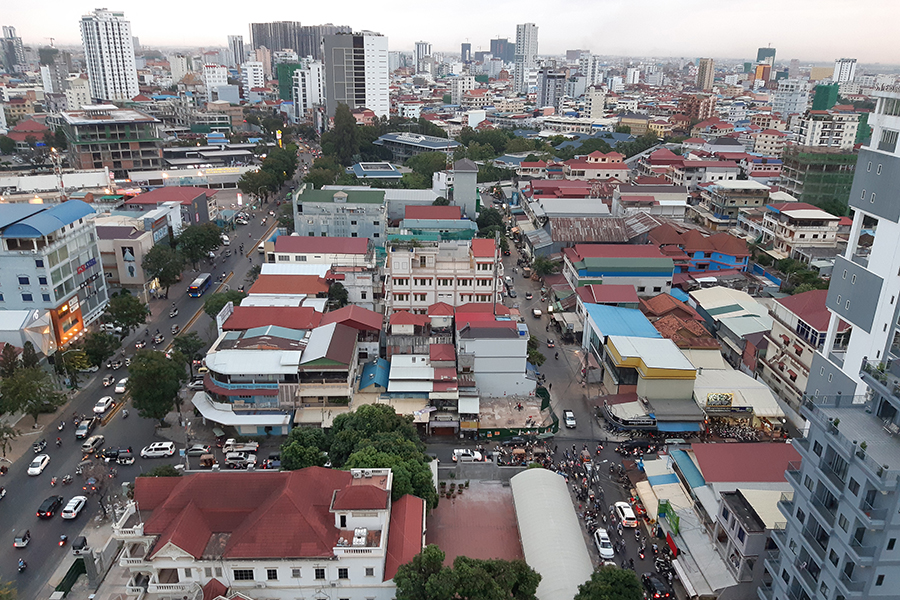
[(72, 362), (365, 422), (29, 356), (611, 583), (342, 142), (489, 221), (162, 471), (7, 434), (126, 311), (197, 241), (440, 201), (338, 295), (100, 345), (153, 382), (189, 346), (543, 266), (216, 302), (9, 360), (427, 163), (31, 391), (163, 263), (319, 177), (7, 145)]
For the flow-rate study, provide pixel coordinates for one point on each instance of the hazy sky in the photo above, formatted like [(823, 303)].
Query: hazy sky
[(810, 30)]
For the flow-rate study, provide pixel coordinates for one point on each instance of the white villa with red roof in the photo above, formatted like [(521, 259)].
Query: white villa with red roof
[(312, 533), (598, 165)]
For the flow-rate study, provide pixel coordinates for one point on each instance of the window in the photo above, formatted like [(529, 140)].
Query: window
[(353, 222), (39, 262), (891, 543), (45, 297), (27, 298), (375, 235), (657, 289), (801, 516), (741, 534), (725, 514), (207, 572), (641, 289), (817, 448), (370, 571), (343, 519), (320, 573), (853, 486), (419, 297), (272, 574), (853, 279), (872, 198), (833, 557), (188, 573), (23, 280), (343, 573), (300, 258), (808, 483), (295, 573), (243, 575), (401, 282), (878, 170), (1, 297), (362, 295), (842, 521), (879, 580), (284, 257), (42, 280)]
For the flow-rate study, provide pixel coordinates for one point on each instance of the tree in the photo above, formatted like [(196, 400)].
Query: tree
[(543, 266), (413, 578), (342, 142), (427, 163), (622, 129), (7, 145), (489, 218), (153, 383), (410, 470), (215, 303), (440, 201), (8, 591), (189, 346), (100, 345), (163, 263), (349, 429), (320, 177), (197, 241), (534, 355), (72, 362), (253, 273), (304, 447), (9, 360), (337, 295), (31, 391), (29, 356), (518, 144), (162, 471), (611, 583), (7, 434), (126, 311), (504, 245)]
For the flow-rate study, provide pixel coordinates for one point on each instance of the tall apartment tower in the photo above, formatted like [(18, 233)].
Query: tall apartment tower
[(308, 89), (109, 55), (526, 55), (423, 50), (236, 50), (465, 52), (12, 50), (766, 55), (844, 70), (502, 49), (791, 97), (277, 35), (551, 87), (705, 73), (356, 72), (839, 538)]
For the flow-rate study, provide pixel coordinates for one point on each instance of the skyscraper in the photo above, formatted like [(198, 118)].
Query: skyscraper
[(844, 70), (766, 55), (465, 52), (305, 40), (236, 49), (356, 72), (423, 50), (791, 97), (526, 55), (705, 73), (308, 90), (109, 55), (502, 49), (841, 527), (551, 87), (12, 51)]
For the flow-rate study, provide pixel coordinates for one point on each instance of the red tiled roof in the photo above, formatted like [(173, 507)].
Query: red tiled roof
[(405, 533), (694, 241), (481, 307), (686, 333), (357, 317), (581, 163), (433, 212), (265, 515), (141, 98), (445, 374), (182, 194), (533, 165), (664, 304), (310, 285), (665, 234), (299, 244), (292, 317), (581, 251), (213, 589), (440, 309), (607, 293), (810, 307), (404, 317), (360, 497), (441, 352), (483, 248), (743, 462), (31, 126), (725, 243)]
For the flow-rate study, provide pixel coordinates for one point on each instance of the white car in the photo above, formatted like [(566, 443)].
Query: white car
[(466, 455), (74, 507), (103, 405), (38, 465), (195, 385), (158, 450), (569, 418), (120, 387), (604, 545), (625, 514)]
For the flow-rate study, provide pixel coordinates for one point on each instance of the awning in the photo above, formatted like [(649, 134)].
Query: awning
[(648, 498), (677, 426), (469, 405), (222, 414)]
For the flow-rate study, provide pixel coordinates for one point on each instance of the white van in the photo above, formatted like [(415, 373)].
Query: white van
[(261, 248), (225, 240)]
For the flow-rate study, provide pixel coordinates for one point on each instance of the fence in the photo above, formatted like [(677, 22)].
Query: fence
[(72, 575)]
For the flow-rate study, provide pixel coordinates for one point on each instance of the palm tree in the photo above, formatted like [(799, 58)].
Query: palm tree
[(7, 434)]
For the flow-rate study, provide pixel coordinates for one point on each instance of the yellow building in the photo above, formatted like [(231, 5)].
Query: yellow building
[(653, 368)]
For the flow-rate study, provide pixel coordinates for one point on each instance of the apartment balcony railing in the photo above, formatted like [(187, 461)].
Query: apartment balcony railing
[(814, 543), (786, 504), (827, 514), (851, 584)]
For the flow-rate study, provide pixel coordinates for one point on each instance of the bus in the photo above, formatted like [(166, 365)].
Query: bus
[(200, 285)]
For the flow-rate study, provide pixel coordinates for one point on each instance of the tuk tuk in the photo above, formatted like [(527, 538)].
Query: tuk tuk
[(80, 546), (207, 461), (126, 457), (220, 437)]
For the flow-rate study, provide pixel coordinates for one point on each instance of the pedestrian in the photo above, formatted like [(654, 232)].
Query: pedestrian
[(550, 387)]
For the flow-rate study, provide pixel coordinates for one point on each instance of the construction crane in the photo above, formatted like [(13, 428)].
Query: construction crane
[(51, 41)]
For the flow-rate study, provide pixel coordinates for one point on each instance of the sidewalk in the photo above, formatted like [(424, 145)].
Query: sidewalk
[(97, 534), (29, 433)]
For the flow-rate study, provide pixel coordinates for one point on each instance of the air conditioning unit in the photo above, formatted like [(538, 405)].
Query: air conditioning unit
[(357, 475), (367, 473)]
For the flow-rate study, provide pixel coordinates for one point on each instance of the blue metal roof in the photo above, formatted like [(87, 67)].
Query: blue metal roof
[(428, 142), (679, 294), (47, 221), (10, 213), (377, 372), (688, 469), (615, 320)]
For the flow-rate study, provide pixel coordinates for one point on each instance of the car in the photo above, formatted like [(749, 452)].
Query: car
[(108, 380), (115, 365), (240, 460), (551, 343), (128, 362), (103, 405), (120, 387), (654, 587), (536, 313), (198, 450), (74, 507), (49, 507), (92, 444), (90, 369), (529, 295), (109, 454), (604, 545), (38, 465), (569, 418), (195, 385), (158, 450), (110, 328), (466, 455), (158, 339), (22, 539), (175, 329), (625, 514), (84, 428), (512, 293)]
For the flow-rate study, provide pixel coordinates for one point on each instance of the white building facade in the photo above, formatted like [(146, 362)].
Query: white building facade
[(356, 72), (526, 55), (109, 55)]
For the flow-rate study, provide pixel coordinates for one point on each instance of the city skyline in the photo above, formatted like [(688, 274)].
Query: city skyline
[(572, 26)]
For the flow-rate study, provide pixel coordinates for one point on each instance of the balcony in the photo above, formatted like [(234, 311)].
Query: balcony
[(765, 592), (793, 473), (773, 562), (871, 517), (853, 586), (824, 512), (805, 570), (786, 504), (814, 544), (864, 555)]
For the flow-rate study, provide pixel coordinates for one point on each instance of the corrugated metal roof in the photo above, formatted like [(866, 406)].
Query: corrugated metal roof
[(52, 219), (614, 320), (588, 229)]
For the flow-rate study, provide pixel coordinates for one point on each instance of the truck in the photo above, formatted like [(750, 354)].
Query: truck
[(231, 445), (526, 272)]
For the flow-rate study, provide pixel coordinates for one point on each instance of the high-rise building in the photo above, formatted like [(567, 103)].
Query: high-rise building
[(766, 55), (705, 73), (632, 76), (840, 530), (794, 69), (826, 96), (306, 40), (236, 50), (502, 49), (109, 55), (595, 101), (179, 66), (551, 88), (828, 129), (422, 51), (214, 77), (592, 68), (844, 70), (308, 90), (465, 52), (459, 85), (526, 55), (790, 98), (12, 51), (356, 72), (820, 176), (252, 76)]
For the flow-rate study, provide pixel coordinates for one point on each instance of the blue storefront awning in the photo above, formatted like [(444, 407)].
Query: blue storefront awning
[(689, 470), (678, 426)]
